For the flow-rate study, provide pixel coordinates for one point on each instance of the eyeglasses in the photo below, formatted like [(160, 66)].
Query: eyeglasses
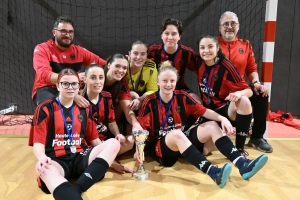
[(226, 24), (66, 85), (65, 32)]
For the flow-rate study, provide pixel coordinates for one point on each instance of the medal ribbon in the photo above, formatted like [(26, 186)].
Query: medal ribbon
[(98, 103), (207, 80), (65, 122), (174, 59), (139, 80), (168, 112)]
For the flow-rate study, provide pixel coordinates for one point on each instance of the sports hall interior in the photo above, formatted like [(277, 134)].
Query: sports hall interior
[(105, 27)]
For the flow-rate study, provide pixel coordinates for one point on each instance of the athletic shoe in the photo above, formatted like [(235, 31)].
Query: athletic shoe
[(243, 153), (251, 167), (261, 144), (220, 175)]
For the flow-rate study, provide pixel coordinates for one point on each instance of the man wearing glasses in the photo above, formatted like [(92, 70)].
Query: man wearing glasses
[(239, 52), (58, 53)]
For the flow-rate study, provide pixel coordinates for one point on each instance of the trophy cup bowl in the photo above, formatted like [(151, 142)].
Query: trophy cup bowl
[(140, 137)]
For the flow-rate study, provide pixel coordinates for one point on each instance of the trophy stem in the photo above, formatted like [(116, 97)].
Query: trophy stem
[(140, 137)]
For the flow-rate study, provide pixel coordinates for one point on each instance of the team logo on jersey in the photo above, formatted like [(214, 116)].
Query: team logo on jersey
[(241, 50), (80, 118), (170, 120), (69, 127), (181, 62), (178, 109), (215, 77), (72, 56), (64, 56), (68, 119)]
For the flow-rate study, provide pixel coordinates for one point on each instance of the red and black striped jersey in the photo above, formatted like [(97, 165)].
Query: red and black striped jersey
[(102, 113), (183, 58), (48, 58), (125, 91), (152, 116), (216, 82), (48, 128)]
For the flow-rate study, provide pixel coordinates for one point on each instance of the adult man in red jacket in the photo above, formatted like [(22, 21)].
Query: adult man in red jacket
[(239, 52), (58, 53)]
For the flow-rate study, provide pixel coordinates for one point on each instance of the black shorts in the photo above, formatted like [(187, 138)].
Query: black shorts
[(72, 168), (221, 111), (161, 153), (44, 93)]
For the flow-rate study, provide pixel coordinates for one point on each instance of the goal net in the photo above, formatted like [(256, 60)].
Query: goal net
[(106, 27)]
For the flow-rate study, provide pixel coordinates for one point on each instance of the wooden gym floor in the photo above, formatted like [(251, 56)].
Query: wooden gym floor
[(279, 179)]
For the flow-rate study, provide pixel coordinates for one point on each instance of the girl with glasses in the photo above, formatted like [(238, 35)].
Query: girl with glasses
[(60, 134)]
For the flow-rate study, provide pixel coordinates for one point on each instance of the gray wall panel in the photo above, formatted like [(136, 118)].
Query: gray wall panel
[(285, 84)]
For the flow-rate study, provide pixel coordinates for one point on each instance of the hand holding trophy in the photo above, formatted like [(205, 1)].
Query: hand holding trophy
[(140, 138)]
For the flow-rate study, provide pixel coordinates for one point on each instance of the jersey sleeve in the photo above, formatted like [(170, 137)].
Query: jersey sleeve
[(145, 115), (151, 53), (234, 81), (111, 112), (89, 57), (125, 92), (192, 64), (39, 126), (151, 86), (91, 131), (251, 63), (194, 108), (41, 64)]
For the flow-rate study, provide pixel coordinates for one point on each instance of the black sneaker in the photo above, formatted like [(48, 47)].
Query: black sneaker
[(220, 175), (261, 144), (251, 167), (243, 153)]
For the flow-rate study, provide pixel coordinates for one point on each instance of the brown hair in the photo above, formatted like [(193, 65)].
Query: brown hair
[(66, 71), (139, 42), (93, 65), (220, 53), (118, 85), (169, 21)]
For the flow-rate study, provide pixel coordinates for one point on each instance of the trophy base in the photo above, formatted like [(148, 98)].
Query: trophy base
[(140, 177)]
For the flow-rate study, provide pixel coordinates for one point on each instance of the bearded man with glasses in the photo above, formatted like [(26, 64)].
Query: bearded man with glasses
[(240, 53), (59, 53)]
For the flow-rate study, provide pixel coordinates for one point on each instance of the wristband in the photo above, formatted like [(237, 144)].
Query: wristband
[(256, 82)]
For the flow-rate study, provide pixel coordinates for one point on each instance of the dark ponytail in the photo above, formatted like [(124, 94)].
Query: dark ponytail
[(118, 84)]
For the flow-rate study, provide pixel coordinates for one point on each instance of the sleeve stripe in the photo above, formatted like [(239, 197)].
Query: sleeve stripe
[(37, 111), (232, 69)]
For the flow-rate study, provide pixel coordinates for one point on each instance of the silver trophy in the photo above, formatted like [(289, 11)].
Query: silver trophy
[(140, 137)]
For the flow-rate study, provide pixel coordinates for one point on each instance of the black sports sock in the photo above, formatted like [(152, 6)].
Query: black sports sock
[(92, 174), (66, 191), (242, 123), (195, 157), (226, 147)]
